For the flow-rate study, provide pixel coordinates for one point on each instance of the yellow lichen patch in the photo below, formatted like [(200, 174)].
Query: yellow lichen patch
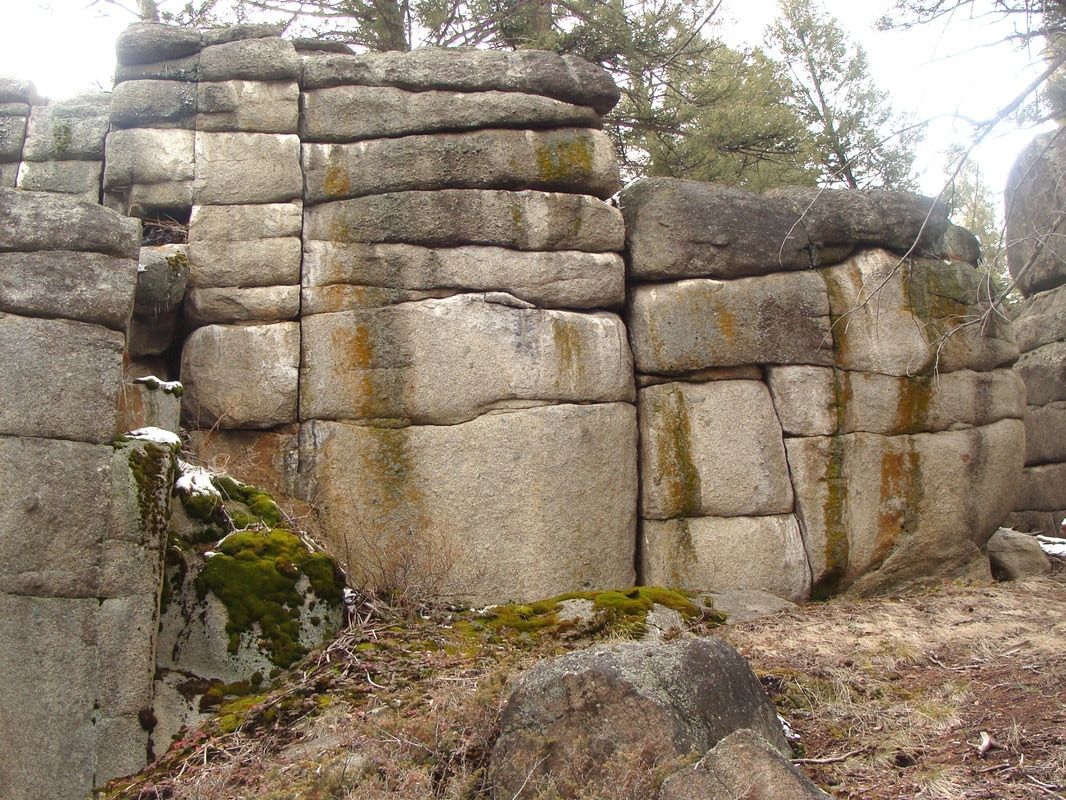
[(337, 182), (679, 478), (912, 405), (900, 494), (356, 369), (726, 321), (569, 348), (565, 157)]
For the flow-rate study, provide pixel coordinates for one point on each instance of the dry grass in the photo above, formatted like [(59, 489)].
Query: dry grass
[(889, 696)]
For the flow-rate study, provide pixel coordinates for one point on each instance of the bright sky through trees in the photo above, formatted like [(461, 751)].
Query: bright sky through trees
[(933, 71)]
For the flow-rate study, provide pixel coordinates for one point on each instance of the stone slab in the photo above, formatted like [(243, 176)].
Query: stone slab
[(69, 130), (686, 229), (209, 306), (1035, 196), (521, 220), (448, 361), (260, 59), (241, 168), (145, 42), (241, 377), (719, 553), (567, 78), (32, 221), (711, 449), (87, 287), (883, 512), (1044, 372), (1045, 433), (12, 136), (563, 160), (344, 276), (79, 179), (258, 262), (248, 106), (1043, 488), (153, 104), (64, 382), (148, 156), (508, 506), (354, 113), (229, 223), (696, 324), (1042, 320), (821, 401)]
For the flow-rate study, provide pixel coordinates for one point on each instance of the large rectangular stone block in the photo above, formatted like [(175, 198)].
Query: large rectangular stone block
[(1043, 488), (210, 306), (717, 553), (257, 262), (1044, 372), (41, 221), (508, 506), (153, 104), (254, 106), (241, 168), (910, 316), (80, 179), (241, 377), (711, 449), (12, 135), (691, 325), (344, 276), (270, 59), (447, 361), (69, 130), (240, 223), (525, 220), (88, 287), (1045, 433), (821, 401), (562, 160), (1042, 319), (62, 379), (880, 511), (55, 513), (148, 156), (354, 113), (267, 459), (47, 691)]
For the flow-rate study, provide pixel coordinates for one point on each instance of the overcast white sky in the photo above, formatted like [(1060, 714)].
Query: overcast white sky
[(65, 48)]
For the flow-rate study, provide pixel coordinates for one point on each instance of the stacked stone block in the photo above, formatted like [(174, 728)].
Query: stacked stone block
[(815, 416), (80, 536), (466, 385), (64, 147), (1036, 221), (16, 100)]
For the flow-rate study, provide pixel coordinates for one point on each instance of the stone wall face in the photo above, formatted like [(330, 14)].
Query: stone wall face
[(1036, 201), (813, 417), (80, 537)]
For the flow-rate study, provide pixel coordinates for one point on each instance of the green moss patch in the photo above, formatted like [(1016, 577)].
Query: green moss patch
[(256, 574)]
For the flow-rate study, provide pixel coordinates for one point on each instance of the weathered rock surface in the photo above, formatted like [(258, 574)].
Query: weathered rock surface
[(821, 401), (509, 505), (146, 42), (568, 718), (1043, 371), (566, 78), (80, 179), (695, 324), (522, 220), (1035, 196), (258, 59), (13, 119), (1043, 488), (686, 229), (742, 765), (447, 361), (718, 553), (562, 160), (241, 377), (268, 459), (742, 605), (162, 273), (249, 263), (149, 156), (354, 113), (87, 287), (884, 511), (1045, 433), (248, 105), (1042, 320), (208, 306), (69, 130), (341, 277), (240, 168), (906, 317), (711, 449), (32, 221), (153, 104), (1016, 556), (235, 223), (54, 513), (64, 382)]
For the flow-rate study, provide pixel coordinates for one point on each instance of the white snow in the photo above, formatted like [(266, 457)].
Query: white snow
[(156, 435), (154, 383), (195, 481), (1052, 546)]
